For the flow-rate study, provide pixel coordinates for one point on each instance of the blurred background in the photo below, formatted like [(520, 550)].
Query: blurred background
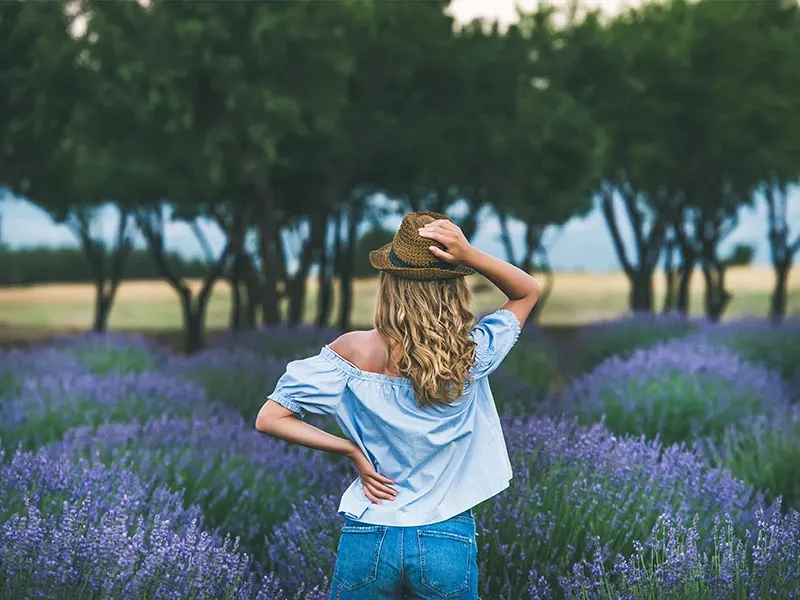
[(180, 167)]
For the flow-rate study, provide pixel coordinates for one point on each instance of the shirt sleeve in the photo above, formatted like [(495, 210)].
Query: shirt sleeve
[(311, 385), (495, 335)]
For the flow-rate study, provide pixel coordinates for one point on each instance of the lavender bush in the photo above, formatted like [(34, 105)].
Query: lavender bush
[(527, 376), (764, 452), (303, 548), (71, 530), (759, 341), (671, 564), (244, 482), (113, 352), (48, 406), (621, 337), (239, 378), (17, 365), (571, 485), (280, 341), (678, 391)]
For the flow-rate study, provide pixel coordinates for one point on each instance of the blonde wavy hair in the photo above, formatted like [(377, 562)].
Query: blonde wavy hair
[(431, 322)]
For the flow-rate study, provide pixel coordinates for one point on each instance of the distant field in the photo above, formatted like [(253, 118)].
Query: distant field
[(40, 311)]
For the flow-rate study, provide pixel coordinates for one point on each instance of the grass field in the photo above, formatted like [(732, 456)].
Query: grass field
[(41, 311)]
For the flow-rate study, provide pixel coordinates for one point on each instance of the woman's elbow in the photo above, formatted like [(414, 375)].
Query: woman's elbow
[(266, 420), (263, 423), (535, 289)]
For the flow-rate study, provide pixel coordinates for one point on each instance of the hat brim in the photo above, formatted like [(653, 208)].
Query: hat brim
[(380, 260)]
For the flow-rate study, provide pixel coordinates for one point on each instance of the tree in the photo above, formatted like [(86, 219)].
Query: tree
[(726, 131), (609, 69), (51, 159), (372, 239), (779, 131), (206, 113), (544, 151)]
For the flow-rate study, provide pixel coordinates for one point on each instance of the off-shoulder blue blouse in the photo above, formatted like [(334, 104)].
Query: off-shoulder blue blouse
[(443, 459)]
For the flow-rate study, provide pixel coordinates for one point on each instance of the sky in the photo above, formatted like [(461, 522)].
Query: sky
[(583, 244)]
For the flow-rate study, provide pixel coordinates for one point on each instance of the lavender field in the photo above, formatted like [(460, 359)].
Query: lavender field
[(664, 463)]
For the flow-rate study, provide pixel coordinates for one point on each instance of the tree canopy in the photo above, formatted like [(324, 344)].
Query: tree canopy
[(290, 124)]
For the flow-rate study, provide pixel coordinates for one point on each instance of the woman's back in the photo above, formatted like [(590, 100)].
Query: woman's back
[(444, 458), (413, 401)]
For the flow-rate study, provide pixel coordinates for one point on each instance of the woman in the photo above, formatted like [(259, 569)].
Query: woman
[(413, 398)]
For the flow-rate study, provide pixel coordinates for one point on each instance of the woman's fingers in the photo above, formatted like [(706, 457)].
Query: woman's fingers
[(432, 234), (383, 478), (439, 253), (377, 486), (370, 496), (376, 490), (381, 494)]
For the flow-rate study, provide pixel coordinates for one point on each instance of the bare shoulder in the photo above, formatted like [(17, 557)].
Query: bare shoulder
[(362, 348)]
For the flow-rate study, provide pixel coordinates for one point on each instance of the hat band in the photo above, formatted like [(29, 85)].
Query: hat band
[(399, 262)]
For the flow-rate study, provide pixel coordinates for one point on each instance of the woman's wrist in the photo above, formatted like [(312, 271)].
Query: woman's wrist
[(352, 451), (471, 256)]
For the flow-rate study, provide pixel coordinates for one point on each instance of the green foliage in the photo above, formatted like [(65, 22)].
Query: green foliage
[(741, 255), (600, 341), (372, 239), (763, 452), (528, 375), (776, 346), (673, 407)]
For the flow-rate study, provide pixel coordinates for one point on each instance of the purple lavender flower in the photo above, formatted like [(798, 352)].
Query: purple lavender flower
[(244, 481), (281, 341), (576, 492), (17, 365), (303, 548), (763, 451), (759, 341), (622, 336), (71, 529), (679, 391), (48, 406), (113, 352), (671, 564), (237, 377)]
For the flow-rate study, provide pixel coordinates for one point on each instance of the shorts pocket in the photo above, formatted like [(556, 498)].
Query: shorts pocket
[(445, 562), (358, 555)]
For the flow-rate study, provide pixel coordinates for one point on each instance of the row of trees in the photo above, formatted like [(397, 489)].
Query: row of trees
[(296, 121)]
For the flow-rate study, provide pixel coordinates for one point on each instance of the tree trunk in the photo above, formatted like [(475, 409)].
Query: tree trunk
[(689, 255), (236, 293), (106, 280), (782, 248), (296, 286), (779, 300), (649, 245), (641, 296), (346, 266), (325, 288), (716, 296), (252, 294), (269, 238), (102, 310), (505, 237), (151, 224), (547, 287), (685, 285), (669, 276)]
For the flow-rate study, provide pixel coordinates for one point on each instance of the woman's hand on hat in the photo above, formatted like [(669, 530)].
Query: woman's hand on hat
[(447, 233)]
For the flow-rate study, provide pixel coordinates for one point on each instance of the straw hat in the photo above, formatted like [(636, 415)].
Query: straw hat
[(407, 255)]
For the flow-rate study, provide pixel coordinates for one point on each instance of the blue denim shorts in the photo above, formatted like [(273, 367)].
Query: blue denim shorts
[(429, 562)]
